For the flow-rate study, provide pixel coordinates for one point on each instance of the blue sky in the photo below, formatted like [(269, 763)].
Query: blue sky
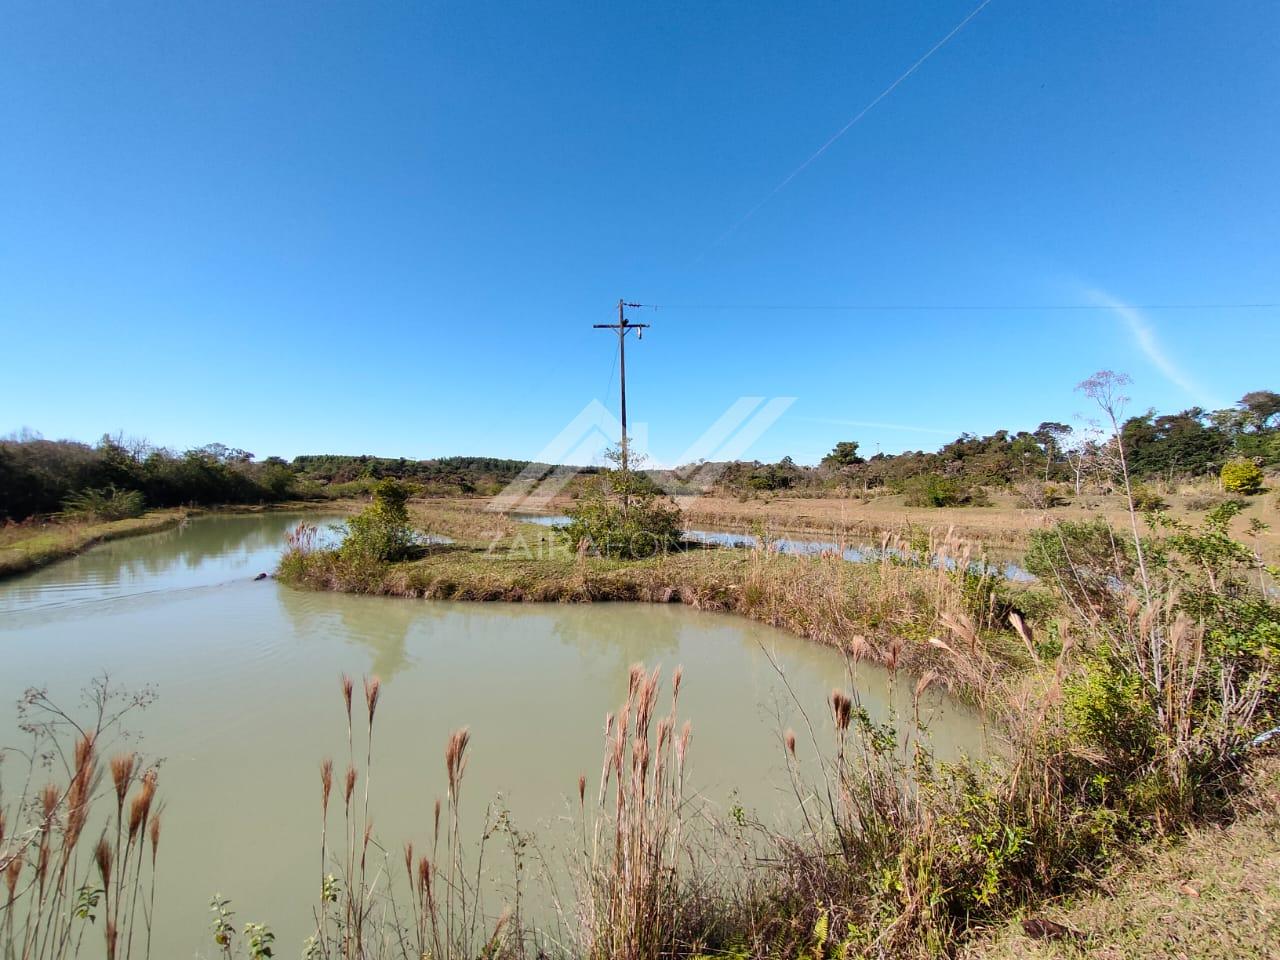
[(388, 228)]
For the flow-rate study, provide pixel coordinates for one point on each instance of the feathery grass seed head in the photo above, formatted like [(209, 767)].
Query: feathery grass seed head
[(372, 687), (326, 782), (347, 687)]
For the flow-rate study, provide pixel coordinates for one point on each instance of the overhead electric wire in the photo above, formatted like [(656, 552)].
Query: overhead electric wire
[(945, 308)]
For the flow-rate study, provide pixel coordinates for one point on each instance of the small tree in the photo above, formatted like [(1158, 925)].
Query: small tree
[(623, 514), (1105, 388), (843, 461), (381, 532), (1261, 408), (935, 490), (1241, 476)]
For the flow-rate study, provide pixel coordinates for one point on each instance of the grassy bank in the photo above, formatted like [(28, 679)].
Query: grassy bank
[(1215, 895), (25, 546), (1002, 529)]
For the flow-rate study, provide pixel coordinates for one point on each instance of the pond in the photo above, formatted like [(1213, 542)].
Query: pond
[(247, 676), (864, 552)]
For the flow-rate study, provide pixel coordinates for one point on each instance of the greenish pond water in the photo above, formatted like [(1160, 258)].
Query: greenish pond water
[(247, 676)]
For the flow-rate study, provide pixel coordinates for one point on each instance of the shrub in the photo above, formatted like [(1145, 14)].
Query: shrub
[(1215, 578), (622, 513), (618, 517), (1202, 501), (1212, 501), (1179, 667), (1147, 500), (108, 503), (1241, 476), (381, 532), (1042, 496), (934, 490), (349, 489)]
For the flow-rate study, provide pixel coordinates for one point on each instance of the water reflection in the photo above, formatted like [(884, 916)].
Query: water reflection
[(607, 646), (380, 625)]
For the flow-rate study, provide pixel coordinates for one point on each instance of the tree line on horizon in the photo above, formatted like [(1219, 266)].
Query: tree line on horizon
[(44, 477), (1158, 448)]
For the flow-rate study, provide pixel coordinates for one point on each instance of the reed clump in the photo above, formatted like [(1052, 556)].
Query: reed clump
[(362, 913), (78, 852), (634, 903)]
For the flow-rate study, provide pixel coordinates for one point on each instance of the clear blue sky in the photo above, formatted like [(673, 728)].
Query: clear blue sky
[(387, 228)]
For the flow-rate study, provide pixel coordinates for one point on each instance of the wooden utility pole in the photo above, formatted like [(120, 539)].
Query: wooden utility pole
[(623, 326)]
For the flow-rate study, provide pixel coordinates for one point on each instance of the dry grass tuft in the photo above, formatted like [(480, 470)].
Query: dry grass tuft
[(634, 901), (49, 873)]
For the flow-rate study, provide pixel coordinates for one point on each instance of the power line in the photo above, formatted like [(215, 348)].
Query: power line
[(944, 308)]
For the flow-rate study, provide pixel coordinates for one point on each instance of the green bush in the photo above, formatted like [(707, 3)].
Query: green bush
[(1172, 688), (1147, 500), (1241, 476), (619, 515), (1106, 710), (1242, 623), (108, 503), (1054, 495), (381, 532), (349, 489), (934, 490)]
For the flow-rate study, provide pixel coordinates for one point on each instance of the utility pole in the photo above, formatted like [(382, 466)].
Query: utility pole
[(624, 326)]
